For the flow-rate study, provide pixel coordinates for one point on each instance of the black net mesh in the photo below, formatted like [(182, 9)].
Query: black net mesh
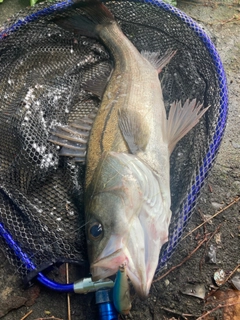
[(42, 71)]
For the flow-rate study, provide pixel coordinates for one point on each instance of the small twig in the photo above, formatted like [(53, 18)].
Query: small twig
[(217, 213), (184, 315), (205, 232), (214, 232), (234, 17), (210, 188), (202, 217), (200, 244), (68, 294), (234, 270), (182, 262), (26, 315)]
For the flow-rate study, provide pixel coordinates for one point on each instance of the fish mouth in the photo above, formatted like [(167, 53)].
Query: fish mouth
[(139, 272)]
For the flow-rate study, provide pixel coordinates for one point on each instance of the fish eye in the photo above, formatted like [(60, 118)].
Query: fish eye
[(95, 231)]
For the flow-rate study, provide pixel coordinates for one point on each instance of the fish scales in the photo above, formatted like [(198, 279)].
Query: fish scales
[(134, 85), (134, 95), (127, 188)]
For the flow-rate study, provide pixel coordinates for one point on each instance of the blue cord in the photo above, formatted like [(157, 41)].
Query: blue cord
[(12, 244), (55, 285)]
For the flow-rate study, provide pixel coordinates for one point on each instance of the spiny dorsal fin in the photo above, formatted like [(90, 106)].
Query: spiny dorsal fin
[(134, 130), (182, 119), (157, 61)]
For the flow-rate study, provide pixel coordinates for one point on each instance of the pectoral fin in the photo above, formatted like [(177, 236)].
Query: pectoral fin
[(134, 129), (182, 119)]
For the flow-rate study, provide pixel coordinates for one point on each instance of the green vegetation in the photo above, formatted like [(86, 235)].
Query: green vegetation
[(33, 2)]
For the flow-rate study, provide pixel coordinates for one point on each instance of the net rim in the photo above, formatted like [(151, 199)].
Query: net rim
[(194, 191)]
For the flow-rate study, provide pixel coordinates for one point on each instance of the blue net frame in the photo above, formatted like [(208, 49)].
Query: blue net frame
[(189, 202)]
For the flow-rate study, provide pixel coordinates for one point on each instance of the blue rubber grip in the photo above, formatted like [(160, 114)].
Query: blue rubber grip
[(107, 311)]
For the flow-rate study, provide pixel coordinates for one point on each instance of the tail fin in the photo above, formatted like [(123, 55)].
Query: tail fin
[(96, 11), (79, 25), (96, 14), (182, 119)]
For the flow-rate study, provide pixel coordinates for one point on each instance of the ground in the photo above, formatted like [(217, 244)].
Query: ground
[(166, 300)]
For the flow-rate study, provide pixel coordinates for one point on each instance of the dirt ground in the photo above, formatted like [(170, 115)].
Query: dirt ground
[(166, 299)]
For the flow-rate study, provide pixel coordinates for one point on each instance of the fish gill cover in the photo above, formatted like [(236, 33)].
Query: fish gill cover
[(42, 72)]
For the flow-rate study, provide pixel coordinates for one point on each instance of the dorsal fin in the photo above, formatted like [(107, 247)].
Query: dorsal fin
[(157, 61)]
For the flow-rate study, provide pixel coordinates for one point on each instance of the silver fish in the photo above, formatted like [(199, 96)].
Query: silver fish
[(127, 188)]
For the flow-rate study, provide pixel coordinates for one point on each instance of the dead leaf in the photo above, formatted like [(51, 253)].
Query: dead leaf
[(32, 294), (227, 302), (236, 282), (11, 303), (195, 290)]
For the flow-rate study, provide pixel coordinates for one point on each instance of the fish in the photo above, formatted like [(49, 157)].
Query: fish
[(130, 140)]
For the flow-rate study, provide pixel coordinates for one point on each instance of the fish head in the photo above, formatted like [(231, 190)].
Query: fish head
[(125, 222)]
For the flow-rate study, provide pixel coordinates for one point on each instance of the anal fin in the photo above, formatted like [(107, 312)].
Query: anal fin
[(182, 119)]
